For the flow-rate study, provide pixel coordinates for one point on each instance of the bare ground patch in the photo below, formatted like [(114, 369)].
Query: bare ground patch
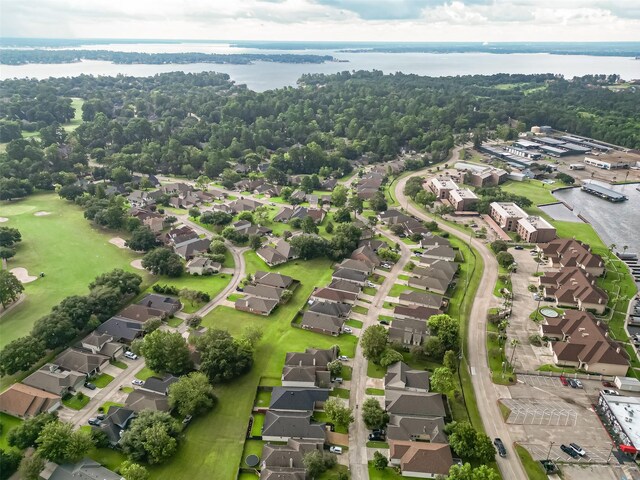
[(23, 275), (118, 242), (42, 213), (137, 264)]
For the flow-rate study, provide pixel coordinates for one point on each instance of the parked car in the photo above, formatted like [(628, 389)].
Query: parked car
[(384, 322), (239, 288), (608, 391), (578, 383), (347, 330), (335, 449), (417, 252), (186, 420), (500, 446), (371, 284), (94, 421), (569, 451), (343, 358), (572, 383), (563, 380), (578, 449), (90, 385), (337, 380), (101, 417), (518, 247), (607, 384), (131, 355), (376, 437), (137, 382)]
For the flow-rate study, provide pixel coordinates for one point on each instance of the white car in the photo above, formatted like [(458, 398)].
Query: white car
[(371, 284), (578, 383), (334, 449), (137, 382), (343, 358), (131, 355), (347, 330)]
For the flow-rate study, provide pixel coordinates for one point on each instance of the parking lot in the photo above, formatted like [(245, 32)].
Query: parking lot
[(595, 453), (541, 412)]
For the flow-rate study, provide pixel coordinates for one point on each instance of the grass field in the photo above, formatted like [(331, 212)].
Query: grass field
[(76, 121), (534, 190), (215, 442), (534, 469), (102, 380), (76, 403), (212, 284), (7, 422), (65, 247)]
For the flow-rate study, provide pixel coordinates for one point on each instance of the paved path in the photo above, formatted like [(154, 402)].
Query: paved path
[(358, 433), (487, 394)]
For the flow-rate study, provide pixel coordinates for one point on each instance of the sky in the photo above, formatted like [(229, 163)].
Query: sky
[(317, 20)]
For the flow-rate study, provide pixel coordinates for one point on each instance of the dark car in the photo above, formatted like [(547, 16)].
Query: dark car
[(384, 322), (90, 385), (518, 247), (376, 437), (101, 417), (572, 383), (569, 451), (563, 380), (500, 446), (94, 421), (608, 384)]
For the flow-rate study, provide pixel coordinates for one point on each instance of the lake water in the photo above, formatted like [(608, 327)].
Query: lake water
[(261, 76), (617, 223)]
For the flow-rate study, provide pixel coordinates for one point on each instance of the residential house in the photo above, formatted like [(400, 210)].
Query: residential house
[(203, 266), (329, 295), (85, 469), (399, 402), (284, 215), (401, 376), (305, 376), (298, 399), (317, 214), (244, 205), (265, 291), (169, 305), (439, 252), (393, 217), (141, 199), (102, 343), (373, 244), (356, 265), (574, 287), (259, 306), (341, 310), (408, 332), (23, 401), (82, 361), (345, 286), (280, 426), (329, 184), (320, 323), (116, 422), (313, 200), (420, 459), (176, 188), (53, 379), (140, 400), (366, 255), (121, 329), (272, 279), (286, 462), (271, 256), (582, 342), (180, 235), (154, 221), (414, 312), (192, 248), (353, 276), (425, 299), (223, 207), (416, 429), (431, 240), (312, 357), (159, 385), (140, 313), (567, 252), (297, 197)]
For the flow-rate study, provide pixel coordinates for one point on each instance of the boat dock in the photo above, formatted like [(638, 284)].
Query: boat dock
[(604, 192)]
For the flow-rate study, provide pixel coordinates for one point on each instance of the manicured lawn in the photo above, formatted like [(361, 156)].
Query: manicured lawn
[(107, 405), (110, 458), (215, 441), (369, 291), (145, 373), (50, 244), (235, 296), (7, 422), (175, 322), (533, 468), (374, 391), (385, 317), (212, 284), (534, 190), (258, 423), (127, 389), (102, 380), (76, 403), (375, 371), (361, 310), (377, 445), (340, 393), (263, 399), (323, 417), (346, 372), (119, 364), (504, 410), (354, 323), (377, 279), (397, 289), (76, 121), (334, 473), (386, 474), (252, 447)]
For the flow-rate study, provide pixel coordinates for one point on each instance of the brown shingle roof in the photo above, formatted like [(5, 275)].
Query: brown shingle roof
[(24, 401), (422, 457)]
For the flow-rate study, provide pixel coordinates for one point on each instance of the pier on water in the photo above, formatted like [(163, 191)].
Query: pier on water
[(604, 192)]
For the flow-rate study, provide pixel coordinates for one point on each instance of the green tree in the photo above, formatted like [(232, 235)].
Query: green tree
[(308, 225), (378, 202), (374, 342), (380, 462), (255, 242), (373, 414), (10, 288), (335, 368), (216, 218), (499, 246), (192, 394), (342, 215), (9, 236), (133, 471), (339, 196), (389, 357), (151, 325), (9, 460), (59, 443), (142, 239), (451, 361), (317, 462), (25, 434), (30, 467), (218, 248), (223, 357), (161, 261), (442, 380), (338, 413), (447, 330), (151, 437), (166, 352), (467, 472), (20, 354), (504, 259), (194, 212), (126, 283), (309, 246), (469, 443)]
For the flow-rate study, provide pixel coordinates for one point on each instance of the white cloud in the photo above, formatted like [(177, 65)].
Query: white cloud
[(373, 20)]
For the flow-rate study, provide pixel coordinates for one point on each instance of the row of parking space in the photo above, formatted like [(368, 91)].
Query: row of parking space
[(540, 412), (540, 381), (594, 453)]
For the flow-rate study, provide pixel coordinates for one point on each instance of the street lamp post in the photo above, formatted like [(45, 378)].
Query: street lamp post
[(549, 452)]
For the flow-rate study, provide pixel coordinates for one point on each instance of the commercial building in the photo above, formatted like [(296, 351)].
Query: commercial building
[(506, 215), (441, 186), (521, 152), (534, 229), (613, 161), (463, 199), (622, 414)]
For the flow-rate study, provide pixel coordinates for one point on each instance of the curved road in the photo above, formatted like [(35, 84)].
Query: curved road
[(486, 392)]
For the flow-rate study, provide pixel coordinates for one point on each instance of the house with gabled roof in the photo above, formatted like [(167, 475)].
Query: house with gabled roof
[(265, 291), (169, 305), (401, 376), (53, 379), (298, 399), (23, 401), (408, 332), (414, 312), (121, 329), (342, 310), (572, 286), (568, 252), (356, 265), (405, 403), (102, 343), (82, 361), (117, 421), (286, 462), (420, 459), (366, 255), (280, 426), (345, 286), (416, 429), (159, 385), (140, 400), (141, 313), (259, 306), (85, 469), (272, 279), (426, 299), (326, 324), (354, 276), (330, 295)]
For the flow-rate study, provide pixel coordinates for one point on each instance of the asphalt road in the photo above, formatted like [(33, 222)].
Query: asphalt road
[(486, 392)]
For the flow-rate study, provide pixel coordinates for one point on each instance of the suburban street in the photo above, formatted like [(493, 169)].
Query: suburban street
[(486, 392), (358, 432)]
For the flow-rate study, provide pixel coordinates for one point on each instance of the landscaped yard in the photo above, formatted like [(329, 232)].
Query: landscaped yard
[(397, 289), (107, 405), (258, 423), (212, 284), (323, 417), (76, 403), (386, 474), (375, 371), (145, 373), (252, 447), (340, 393), (374, 391), (108, 457), (354, 323), (119, 364), (102, 380), (534, 190), (361, 310), (50, 244), (174, 322), (263, 398), (7, 422), (223, 430)]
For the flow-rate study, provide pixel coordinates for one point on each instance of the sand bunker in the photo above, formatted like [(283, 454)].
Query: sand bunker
[(42, 213), (23, 275), (118, 242), (3, 219), (137, 264)]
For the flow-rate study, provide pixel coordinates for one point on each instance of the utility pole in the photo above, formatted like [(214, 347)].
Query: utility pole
[(549, 452)]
